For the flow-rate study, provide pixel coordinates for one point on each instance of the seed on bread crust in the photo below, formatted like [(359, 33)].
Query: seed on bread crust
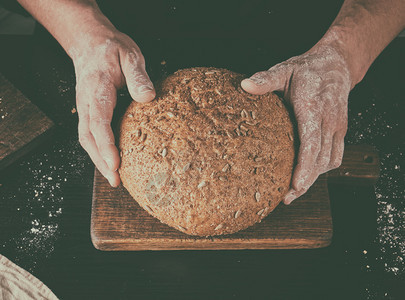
[(206, 157)]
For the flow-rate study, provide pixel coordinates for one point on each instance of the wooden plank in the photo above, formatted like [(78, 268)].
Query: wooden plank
[(361, 166), (22, 124), (119, 223)]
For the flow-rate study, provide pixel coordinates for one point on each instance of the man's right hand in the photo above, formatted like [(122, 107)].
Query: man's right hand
[(316, 84)]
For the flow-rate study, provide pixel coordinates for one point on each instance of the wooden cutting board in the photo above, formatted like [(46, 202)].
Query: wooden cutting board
[(22, 124), (119, 223)]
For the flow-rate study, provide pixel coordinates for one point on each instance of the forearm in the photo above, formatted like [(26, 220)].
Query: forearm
[(71, 22), (362, 29)]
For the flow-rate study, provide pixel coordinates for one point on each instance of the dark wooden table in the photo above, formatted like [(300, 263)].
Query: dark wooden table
[(45, 198)]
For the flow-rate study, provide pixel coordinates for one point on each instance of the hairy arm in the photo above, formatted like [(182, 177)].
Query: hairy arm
[(317, 83), (362, 29), (105, 60)]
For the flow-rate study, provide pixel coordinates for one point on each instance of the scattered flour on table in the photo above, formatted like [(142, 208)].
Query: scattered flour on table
[(3, 111), (391, 215), (38, 197), (370, 127), (37, 191)]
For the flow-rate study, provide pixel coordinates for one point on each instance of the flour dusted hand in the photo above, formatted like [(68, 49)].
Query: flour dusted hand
[(107, 61), (317, 85)]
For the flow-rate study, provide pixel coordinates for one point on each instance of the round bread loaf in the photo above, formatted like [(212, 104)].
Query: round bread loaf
[(206, 157)]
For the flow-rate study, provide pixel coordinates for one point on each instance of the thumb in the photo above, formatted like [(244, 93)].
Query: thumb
[(266, 81), (139, 85)]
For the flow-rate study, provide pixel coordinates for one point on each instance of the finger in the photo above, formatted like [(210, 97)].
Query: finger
[(307, 175), (104, 138), (293, 194), (338, 141), (88, 143), (302, 174), (274, 79), (139, 85), (337, 151), (309, 131), (324, 156), (100, 112), (85, 95)]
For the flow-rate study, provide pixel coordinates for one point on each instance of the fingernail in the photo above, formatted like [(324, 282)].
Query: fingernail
[(290, 197), (144, 89)]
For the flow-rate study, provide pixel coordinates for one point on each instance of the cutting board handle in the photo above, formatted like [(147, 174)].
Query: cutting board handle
[(360, 166)]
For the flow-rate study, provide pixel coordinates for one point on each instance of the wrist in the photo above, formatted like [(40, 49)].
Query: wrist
[(351, 53), (91, 30)]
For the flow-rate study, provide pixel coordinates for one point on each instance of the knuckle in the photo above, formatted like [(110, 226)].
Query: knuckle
[(84, 139), (260, 77), (302, 180), (100, 130), (336, 163), (97, 122), (324, 161), (310, 150), (91, 79), (343, 130), (94, 125), (282, 66), (261, 74), (302, 190), (102, 78), (316, 148), (135, 57), (141, 59)]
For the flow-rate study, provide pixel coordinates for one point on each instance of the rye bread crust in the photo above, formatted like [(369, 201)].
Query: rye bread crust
[(205, 157)]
